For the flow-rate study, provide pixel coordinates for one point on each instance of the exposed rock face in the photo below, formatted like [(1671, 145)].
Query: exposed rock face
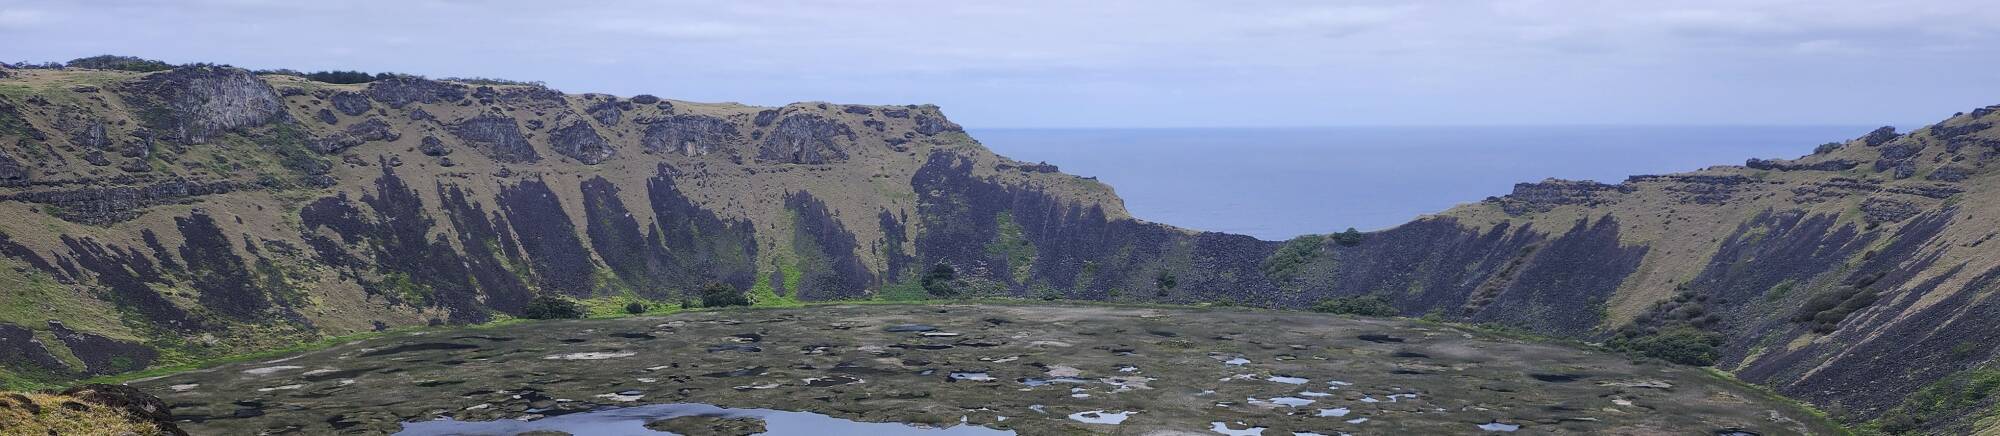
[(1949, 173), (1782, 165), (195, 104), (102, 355), (11, 170), (691, 135), (1884, 210), (19, 346), (499, 137), (806, 139), (360, 133), (402, 90), (432, 146), (610, 111), (353, 104), (1552, 193), (581, 142), (1880, 136), (106, 205), (932, 125), (132, 401)]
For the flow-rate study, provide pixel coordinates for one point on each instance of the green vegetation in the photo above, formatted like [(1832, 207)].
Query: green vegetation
[(937, 281), (1297, 252), (1348, 238), (1165, 281), (1010, 243), (635, 308), (1826, 309), (339, 77), (1684, 345), (1365, 305), (553, 307), (719, 294), (1955, 397), (121, 63)]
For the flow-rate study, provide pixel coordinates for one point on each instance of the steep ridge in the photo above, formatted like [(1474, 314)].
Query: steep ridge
[(170, 216)]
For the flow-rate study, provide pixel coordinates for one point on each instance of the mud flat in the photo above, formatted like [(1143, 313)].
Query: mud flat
[(967, 369)]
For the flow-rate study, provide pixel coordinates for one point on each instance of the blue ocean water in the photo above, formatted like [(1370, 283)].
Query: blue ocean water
[(1283, 182)]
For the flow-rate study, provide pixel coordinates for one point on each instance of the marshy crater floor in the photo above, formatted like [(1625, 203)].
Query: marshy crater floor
[(967, 369)]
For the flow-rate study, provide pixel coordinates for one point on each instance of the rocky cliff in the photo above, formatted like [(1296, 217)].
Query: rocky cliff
[(164, 217)]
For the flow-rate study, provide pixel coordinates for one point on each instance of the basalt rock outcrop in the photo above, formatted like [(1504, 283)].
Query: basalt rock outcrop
[(249, 218)]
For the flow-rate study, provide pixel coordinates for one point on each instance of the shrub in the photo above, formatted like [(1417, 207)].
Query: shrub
[(552, 307), (635, 308), (121, 63), (1297, 252), (719, 294), (1349, 238), (1953, 397), (1682, 345), (937, 281), (1165, 281), (1366, 305)]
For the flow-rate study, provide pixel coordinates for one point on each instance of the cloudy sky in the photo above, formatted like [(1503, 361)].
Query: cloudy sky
[(1123, 63)]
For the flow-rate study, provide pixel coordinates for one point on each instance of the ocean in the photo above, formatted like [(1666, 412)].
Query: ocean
[(1276, 183)]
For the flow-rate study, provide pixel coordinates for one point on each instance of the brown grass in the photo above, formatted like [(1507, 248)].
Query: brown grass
[(49, 415)]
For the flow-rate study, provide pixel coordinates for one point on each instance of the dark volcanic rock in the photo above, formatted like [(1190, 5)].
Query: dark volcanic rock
[(360, 133), (609, 112), (499, 137), (351, 103), (106, 205), (1879, 136), (806, 139), (645, 99), (581, 142), (932, 125), (402, 90), (135, 403), (1949, 173), (18, 348), (1885, 210), (432, 146), (1549, 194), (327, 116), (102, 355), (836, 270), (1782, 165), (691, 135), (196, 103)]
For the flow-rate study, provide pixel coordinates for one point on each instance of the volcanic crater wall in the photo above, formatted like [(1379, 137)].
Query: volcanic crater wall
[(251, 211)]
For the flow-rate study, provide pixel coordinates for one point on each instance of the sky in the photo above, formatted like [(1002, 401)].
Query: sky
[(1122, 63)]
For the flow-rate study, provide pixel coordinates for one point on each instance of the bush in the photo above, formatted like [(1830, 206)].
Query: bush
[(1349, 238), (1366, 305), (1953, 397), (1682, 345), (121, 63), (937, 281), (719, 294), (1297, 252), (1165, 281), (552, 307), (635, 308)]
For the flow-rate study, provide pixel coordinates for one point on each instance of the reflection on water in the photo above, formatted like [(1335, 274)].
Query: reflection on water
[(632, 421)]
